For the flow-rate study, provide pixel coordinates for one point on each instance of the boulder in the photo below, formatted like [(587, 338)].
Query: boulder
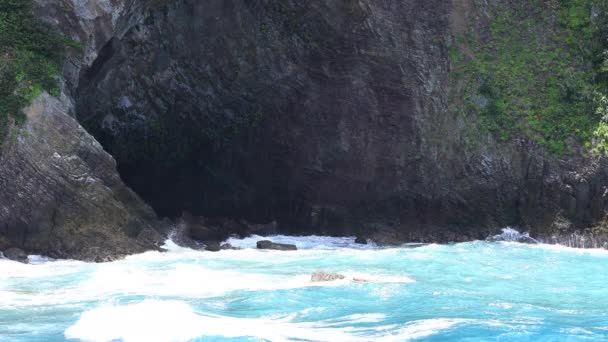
[(320, 276), (16, 254), (266, 244), (212, 246)]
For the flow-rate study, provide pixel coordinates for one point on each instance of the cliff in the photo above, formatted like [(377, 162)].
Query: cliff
[(398, 120)]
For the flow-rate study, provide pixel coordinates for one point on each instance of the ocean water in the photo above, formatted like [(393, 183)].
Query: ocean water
[(475, 291)]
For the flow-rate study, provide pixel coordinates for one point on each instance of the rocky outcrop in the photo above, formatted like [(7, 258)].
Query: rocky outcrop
[(266, 244), (61, 195), (16, 254), (320, 276)]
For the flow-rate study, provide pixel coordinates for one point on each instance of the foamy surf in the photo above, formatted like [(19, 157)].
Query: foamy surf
[(304, 242), (160, 321), (490, 291)]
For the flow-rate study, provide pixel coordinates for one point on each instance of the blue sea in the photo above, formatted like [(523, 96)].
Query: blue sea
[(474, 291)]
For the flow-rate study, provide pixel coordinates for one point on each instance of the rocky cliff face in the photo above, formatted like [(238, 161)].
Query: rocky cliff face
[(61, 195), (333, 117)]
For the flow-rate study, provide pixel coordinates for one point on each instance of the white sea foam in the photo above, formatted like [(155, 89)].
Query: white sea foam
[(422, 328), (303, 242), (179, 272), (160, 321), (566, 249), (170, 296)]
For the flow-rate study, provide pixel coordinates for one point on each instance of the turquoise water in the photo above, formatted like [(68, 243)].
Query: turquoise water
[(474, 291)]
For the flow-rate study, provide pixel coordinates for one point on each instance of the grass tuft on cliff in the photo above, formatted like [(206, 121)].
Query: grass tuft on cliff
[(537, 73), (30, 58)]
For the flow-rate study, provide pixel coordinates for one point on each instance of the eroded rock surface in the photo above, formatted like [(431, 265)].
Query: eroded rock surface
[(62, 196)]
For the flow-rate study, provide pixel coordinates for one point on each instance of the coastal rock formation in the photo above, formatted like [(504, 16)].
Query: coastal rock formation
[(331, 117), (266, 244), (61, 195), (325, 117)]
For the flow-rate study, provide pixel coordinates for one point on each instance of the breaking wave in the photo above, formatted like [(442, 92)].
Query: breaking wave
[(507, 291)]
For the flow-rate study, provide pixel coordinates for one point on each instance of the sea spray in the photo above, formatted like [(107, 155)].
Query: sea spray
[(512, 235)]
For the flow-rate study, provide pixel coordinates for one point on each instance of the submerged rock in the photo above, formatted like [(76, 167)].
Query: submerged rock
[(16, 254), (266, 244), (320, 276)]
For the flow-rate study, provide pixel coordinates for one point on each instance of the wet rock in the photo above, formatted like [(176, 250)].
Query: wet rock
[(361, 240), (16, 254), (212, 246), (266, 244), (227, 246), (320, 276), (181, 237)]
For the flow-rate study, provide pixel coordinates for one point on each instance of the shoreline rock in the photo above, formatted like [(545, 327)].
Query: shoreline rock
[(320, 276), (267, 244), (16, 254)]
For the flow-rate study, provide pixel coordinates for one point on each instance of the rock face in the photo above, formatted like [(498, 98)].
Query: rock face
[(320, 276), (266, 244), (330, 117), (61, 195)]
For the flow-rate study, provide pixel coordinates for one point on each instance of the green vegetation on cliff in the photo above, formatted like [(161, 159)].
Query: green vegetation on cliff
[(535, 71), (30, 59)]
